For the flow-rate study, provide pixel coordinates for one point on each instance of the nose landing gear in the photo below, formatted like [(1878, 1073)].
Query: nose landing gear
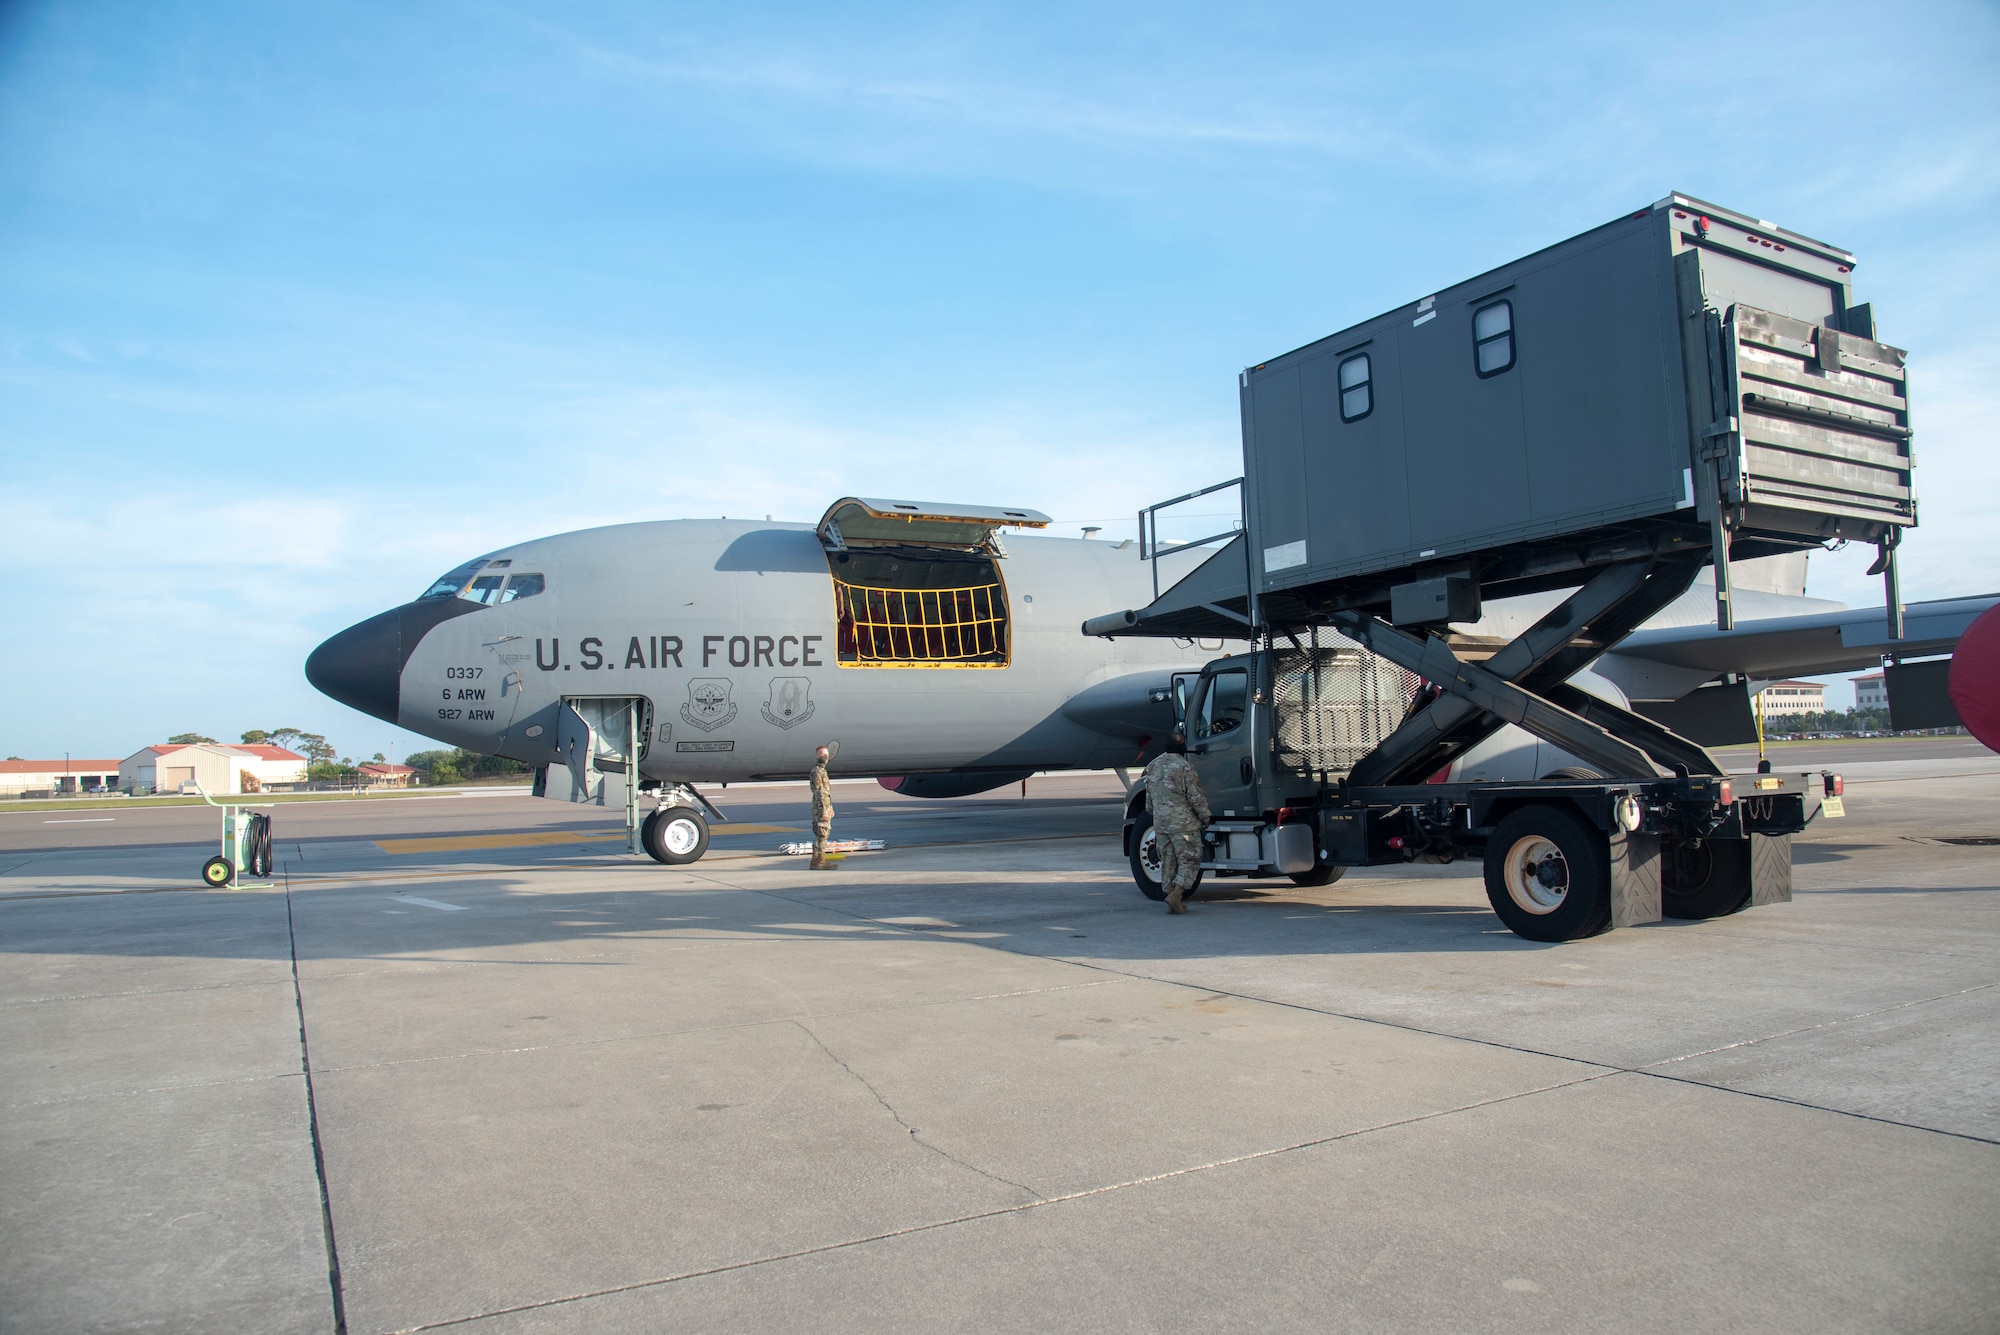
[(675, 835)]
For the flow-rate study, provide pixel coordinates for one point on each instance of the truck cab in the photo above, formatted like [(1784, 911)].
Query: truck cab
[(1221, 731), (1229, 729)]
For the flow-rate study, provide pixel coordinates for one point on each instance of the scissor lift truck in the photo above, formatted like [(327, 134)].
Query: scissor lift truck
[(1683, 387)]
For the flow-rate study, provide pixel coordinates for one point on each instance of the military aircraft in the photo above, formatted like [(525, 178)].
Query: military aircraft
[(937, 647), (913, 638)]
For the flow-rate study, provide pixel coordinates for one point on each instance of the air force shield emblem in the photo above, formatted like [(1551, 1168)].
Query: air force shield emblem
[(708, 704), (791, 702)]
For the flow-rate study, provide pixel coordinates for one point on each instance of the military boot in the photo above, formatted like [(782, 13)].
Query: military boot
[(1174, 904)]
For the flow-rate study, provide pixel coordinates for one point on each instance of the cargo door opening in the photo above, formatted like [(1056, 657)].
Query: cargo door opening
[(919, 586)]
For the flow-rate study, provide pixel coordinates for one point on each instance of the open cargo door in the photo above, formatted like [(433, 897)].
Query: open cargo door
[(918, 585), (1823, 428), (855, 522), (1811, 439)]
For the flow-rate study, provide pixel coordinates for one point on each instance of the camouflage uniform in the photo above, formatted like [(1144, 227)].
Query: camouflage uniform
[(1180, 814), (822, 795)]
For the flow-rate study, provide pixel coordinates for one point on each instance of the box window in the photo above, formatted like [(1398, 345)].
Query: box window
[(1493, 338), (1357, 397)]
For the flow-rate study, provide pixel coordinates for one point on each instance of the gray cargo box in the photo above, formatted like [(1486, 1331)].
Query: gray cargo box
[(1683, 377)]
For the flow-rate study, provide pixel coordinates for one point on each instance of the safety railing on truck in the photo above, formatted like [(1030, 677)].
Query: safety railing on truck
[(1152, 547)]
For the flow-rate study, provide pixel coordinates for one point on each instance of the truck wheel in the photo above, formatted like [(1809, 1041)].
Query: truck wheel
[(1548, 875), (674, 835), (1318, 876), (1146, 857), (217, 871), (1146, 860), (1708, 879)]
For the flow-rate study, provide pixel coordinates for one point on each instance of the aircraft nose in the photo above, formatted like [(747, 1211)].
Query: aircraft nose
[(362, 666)]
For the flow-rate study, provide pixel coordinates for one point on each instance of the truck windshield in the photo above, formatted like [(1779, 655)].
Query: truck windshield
[(1222, 703)]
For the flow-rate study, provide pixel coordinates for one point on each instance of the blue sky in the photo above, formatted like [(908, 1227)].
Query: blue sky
[(302, 305)]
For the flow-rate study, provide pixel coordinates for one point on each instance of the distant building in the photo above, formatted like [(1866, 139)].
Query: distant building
[(274, 766), (1871, 692), (56, 777), (392, 776), (212, 766), (1793, 697)]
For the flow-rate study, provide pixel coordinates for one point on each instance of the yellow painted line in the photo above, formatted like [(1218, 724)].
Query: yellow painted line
[(462, 843)]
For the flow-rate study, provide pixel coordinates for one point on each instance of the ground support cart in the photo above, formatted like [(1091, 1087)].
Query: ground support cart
[(246, 848)]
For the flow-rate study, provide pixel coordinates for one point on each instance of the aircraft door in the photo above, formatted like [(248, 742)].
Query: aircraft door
[(1220, 740), (599, 739)]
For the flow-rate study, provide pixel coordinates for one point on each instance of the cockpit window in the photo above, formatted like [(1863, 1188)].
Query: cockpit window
[(448, 586), (488, 588), (522, 586)]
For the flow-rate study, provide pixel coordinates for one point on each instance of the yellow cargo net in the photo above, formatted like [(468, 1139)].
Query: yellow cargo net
[(922, 627)]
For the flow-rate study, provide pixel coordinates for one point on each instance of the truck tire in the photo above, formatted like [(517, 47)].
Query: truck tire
[(1708, 879), (1145, 860), (674, 835), (1548, 875), (1320, 875)]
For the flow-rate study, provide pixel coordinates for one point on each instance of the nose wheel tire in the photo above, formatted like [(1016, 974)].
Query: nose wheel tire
[(217, 871), (675, 835), (1548, 875)]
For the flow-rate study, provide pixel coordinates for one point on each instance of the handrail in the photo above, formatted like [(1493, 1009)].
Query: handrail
[(1150, 549), (273, 806)]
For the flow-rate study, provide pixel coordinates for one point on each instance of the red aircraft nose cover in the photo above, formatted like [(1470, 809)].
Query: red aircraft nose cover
[(1975, 678)]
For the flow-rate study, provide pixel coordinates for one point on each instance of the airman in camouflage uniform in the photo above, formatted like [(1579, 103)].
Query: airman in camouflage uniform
[(1180, 814), (822, 796)]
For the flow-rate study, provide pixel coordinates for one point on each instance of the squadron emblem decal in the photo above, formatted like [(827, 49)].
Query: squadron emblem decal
[(708, 705), (791, 702)]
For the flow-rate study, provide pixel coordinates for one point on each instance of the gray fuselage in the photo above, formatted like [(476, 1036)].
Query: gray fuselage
[(727, 631)]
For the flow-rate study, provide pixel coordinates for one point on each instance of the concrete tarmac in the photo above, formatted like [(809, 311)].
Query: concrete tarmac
[(446, 1073)]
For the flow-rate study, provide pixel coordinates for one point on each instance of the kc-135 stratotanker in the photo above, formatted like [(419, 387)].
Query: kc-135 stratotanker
[(1493, 618)]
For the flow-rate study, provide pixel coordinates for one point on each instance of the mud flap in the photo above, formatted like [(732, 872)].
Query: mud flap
[(1635, 879), (1770, 869)]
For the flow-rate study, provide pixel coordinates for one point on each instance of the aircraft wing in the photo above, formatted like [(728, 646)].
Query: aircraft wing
[(1804, 645)]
